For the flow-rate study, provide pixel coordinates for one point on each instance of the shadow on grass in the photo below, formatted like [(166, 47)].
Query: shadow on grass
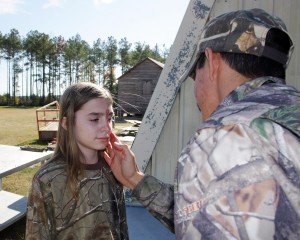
[(35, 143), (15, 231), (22, 107)]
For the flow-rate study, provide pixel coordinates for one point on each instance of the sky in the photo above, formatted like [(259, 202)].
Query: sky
[(150, 22)]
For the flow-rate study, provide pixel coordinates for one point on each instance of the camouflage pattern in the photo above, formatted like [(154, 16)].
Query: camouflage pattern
[(239, 175), (243, 31), (97, 213)]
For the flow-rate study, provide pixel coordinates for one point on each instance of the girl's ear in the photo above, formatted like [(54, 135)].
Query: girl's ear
[(64, 123)]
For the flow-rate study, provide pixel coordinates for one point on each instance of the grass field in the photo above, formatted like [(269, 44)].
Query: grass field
[(18, 127)]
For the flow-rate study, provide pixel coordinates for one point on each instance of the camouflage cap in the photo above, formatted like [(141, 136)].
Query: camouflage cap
[(242, 31)]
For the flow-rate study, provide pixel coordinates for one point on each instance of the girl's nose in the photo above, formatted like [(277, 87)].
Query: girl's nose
[(106, 125)]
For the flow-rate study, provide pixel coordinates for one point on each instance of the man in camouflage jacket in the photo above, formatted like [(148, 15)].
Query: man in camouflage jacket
[(238, 176)]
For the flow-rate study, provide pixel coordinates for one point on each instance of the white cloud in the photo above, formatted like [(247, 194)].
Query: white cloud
[(9, 6), (52, 3), (101, 2)]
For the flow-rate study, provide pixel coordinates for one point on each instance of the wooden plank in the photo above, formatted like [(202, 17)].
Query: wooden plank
[(184, 119), (170, 79), (51, 126), (12, 208), (13, 159), (54, 103)]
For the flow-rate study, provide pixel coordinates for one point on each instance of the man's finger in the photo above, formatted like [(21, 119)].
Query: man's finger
[(107, 158), (113, 137)]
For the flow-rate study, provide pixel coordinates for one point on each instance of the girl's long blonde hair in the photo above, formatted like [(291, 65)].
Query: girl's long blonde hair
[(74, 97)]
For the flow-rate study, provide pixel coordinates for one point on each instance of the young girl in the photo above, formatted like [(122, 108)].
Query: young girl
[(75, 195)]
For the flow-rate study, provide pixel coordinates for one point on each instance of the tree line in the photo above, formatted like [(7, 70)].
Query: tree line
[(39, 67)]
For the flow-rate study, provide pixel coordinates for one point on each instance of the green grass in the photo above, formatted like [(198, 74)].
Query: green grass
[(18, 127)]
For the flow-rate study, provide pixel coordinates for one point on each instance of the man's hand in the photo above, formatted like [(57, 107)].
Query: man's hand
[(122, 163)]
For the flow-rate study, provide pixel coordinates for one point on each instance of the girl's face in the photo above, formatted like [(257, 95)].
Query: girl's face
[(93, 125)]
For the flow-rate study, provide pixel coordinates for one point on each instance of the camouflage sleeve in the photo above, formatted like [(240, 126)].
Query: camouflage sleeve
[(121, 218), (37, 220), (158, 198)]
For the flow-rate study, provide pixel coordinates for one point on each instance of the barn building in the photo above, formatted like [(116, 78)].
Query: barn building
[(136, 86)]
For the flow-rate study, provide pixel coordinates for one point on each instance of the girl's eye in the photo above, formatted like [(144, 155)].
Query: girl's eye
[(94, 120), (111, 119)]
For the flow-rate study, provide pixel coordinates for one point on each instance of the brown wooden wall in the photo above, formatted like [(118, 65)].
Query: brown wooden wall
[(137, 85)]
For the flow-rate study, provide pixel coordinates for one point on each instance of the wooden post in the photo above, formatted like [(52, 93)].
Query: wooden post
[(173, 74)]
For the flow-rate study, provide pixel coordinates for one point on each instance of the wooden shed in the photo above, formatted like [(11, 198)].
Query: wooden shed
[(172, 116), (136, 86)]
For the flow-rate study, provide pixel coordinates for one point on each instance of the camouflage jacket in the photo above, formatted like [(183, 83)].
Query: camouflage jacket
[(97, 213), (239, 175)]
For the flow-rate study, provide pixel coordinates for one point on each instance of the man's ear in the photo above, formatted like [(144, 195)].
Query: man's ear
[(213, 61), (64, 123)]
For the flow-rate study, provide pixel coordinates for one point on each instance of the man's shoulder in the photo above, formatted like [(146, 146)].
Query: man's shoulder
[(287, 116), (258, 101)]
